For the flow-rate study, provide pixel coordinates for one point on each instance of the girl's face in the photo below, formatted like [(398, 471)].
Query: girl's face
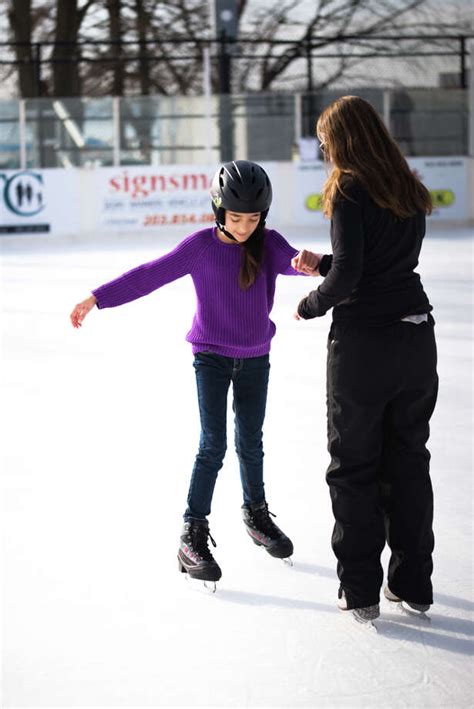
[(241, 225)]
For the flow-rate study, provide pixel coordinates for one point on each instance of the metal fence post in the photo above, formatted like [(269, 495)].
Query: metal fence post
[(116, 130), (471, 101), (22, 132), (37, 62), (309, 67), (207, 95), (298, 119), (463, 63), (386, 108), (225, 102)]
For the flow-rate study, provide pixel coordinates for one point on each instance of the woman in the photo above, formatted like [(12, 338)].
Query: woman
[(234, 267), (381, 366)]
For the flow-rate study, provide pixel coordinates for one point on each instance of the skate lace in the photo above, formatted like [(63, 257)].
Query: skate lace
[(200, 536), (265, 524)]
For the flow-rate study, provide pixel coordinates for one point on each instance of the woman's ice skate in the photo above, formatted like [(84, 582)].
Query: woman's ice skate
[(417, 610), (365, 616)]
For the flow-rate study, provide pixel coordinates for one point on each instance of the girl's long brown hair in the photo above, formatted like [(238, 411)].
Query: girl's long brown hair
[(252, 255), (359, 146)]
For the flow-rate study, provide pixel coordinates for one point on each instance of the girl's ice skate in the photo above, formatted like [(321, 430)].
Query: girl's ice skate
[(408, 607), (265, 533), (194, 556)]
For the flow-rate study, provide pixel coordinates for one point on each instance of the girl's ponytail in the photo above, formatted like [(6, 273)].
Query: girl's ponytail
[(252, 255)]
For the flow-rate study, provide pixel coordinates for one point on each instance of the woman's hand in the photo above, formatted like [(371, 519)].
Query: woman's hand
[(81, 310), (306, 262)]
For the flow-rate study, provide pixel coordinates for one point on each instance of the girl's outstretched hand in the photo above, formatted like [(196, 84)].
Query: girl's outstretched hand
[(306, 262), (81, 310)]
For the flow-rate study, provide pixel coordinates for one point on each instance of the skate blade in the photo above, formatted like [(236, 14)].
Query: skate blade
[(206, 587), (367, 625), (404, 609), (288, 561)]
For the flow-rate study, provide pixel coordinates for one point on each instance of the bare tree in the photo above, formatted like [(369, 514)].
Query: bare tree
[(260, 64), (143, 21), (69, 17), (20, 21), (114, 10), (156, 63), (56, 21), (330, 21)]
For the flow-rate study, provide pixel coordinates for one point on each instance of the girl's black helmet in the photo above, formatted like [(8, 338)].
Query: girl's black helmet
[(240, 186)]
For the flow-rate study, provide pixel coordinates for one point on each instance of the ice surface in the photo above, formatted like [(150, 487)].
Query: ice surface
[(100, 431)]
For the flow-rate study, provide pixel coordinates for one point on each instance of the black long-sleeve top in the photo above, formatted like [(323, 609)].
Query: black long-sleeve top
[(369, 277)]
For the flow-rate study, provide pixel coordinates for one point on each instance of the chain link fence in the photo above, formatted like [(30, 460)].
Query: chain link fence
[(90, 132)]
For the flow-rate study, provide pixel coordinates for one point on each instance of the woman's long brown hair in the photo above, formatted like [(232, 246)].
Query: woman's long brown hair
[(359, 146)]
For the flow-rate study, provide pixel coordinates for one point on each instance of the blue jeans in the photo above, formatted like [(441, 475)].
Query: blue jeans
[(249, 378)]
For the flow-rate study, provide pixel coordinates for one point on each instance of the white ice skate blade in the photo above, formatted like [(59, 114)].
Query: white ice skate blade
[(207, 587), (406, 610), (367, 625), (288, 561)]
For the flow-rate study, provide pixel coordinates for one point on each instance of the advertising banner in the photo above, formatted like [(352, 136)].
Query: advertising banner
[(138, 198), (446, 178), (39, 201), (66, 201), (309, 179)]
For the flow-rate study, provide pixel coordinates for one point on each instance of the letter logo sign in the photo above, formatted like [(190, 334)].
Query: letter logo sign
[(23, 197)]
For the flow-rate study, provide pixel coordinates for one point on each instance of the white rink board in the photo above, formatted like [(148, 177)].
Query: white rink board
[(166, 198)]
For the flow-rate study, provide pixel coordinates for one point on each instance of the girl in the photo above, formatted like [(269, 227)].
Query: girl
[(234, 268), (381, 366)]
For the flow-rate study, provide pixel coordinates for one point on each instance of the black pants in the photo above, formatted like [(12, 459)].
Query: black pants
[(381, 391)]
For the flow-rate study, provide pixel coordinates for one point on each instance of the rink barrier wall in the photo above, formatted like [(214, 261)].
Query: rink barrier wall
[(85, 202)]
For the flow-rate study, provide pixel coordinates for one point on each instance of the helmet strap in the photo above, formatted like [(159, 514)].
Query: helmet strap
[(222, 228)]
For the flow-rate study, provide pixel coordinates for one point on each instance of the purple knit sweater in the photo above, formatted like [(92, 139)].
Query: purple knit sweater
[(228, 321)]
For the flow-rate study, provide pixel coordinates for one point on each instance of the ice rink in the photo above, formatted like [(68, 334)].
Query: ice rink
[(100, 429)]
